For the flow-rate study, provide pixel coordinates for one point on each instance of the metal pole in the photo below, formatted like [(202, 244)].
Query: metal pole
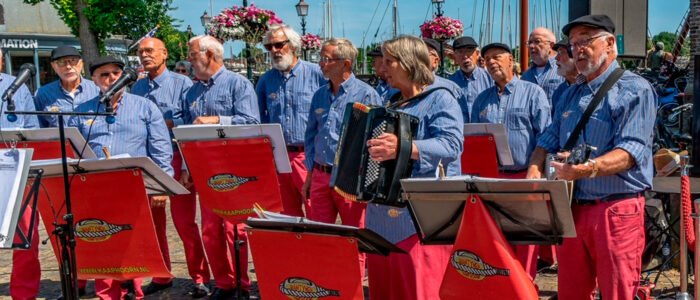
[(249, 55), (696, 216), (523, 34), (683, 291), (303, 32), (395, 27)]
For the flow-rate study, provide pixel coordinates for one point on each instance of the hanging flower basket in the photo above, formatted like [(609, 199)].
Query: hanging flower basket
[(247, 24), (442, 29), (310, 41)]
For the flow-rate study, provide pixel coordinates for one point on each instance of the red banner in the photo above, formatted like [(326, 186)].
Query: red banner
[(482, 264), (115, 235), (301, 266), (231, 175), (479, 156), (45, 149)]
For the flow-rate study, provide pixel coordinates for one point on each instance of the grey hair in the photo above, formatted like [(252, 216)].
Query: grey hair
[(293, 36), (186, 64), (413, 57), (345, 49), (208, 42)]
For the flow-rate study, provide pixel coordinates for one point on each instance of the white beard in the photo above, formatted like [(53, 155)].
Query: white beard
[(285, 63), (592, 66)]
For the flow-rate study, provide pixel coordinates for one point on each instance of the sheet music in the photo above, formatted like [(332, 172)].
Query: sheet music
[(14, 168)]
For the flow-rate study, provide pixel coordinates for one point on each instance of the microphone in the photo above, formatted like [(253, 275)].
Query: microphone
[(26, 71), (129, 75)]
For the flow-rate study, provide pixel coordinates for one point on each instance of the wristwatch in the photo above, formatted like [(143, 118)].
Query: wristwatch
[(594, 164)]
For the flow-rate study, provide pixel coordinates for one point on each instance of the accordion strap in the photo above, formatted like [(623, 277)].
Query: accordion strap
[(403, 156), (396, 104)]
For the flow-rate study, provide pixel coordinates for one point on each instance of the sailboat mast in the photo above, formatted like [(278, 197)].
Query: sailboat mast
[(523, 34)]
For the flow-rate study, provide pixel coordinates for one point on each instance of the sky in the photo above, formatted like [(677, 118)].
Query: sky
[(359, 20)]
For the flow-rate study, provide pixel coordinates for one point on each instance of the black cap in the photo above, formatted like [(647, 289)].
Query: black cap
[(493, 46), (105, 60), (431, 43), (375, 52), (465, 41), (564, 42), (64, 51), (596, 21)]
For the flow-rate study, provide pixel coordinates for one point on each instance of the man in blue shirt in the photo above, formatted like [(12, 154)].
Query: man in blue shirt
[(544, 69), (434, 51), (383, 88), (138, 130), (470, 78), (324, 129), (220, 97), (284, 97), (565, 68), (608, 200), (523, 107), (167, 90)]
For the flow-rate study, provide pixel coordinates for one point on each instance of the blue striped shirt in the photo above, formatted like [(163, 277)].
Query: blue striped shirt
[(523, 108), (23, 102), (227, 95), (326, 118), (472, 85), (548, 80), (385, 90), (139, 130), (440, 138), (623, 120), (556, 96), (53, 97), (286, 99), (168, 92)]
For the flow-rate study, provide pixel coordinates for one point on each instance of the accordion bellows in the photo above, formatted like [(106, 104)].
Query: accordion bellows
[(356, 176)]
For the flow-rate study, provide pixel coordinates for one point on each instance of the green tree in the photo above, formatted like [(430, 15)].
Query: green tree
[(93, 21), (669, 39)]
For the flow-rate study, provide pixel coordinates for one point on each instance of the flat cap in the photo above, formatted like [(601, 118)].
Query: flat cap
[(375, 52), (495, 46), (431, 43), (465, 41), (105, 60), (64, 51), (596, 21), (564, 42)]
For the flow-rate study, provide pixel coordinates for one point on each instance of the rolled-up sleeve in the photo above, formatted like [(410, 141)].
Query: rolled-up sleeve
[(633, 127), (245, 105), (159, 146)]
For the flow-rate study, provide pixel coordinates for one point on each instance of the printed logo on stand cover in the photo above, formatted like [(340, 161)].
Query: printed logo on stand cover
[(228, 182), (473, 267), (297, 288), (96, 230)]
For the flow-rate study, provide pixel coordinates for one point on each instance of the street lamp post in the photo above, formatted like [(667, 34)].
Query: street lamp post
[(438, 6), (302, 12), (205, 18), (249, 54), (438, 13)]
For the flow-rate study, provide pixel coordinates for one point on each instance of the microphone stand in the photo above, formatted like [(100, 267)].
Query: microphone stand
[(65, 231)]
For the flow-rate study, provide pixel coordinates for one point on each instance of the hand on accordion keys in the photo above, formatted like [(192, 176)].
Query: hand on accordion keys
[(383, 147)]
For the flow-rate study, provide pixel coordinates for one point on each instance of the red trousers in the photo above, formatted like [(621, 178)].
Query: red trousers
[(291, 184), (607, 250), (325, 205), (412, 276), (219, 244)]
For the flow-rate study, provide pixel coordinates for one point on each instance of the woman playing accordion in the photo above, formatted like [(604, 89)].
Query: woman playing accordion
[(439, 140)]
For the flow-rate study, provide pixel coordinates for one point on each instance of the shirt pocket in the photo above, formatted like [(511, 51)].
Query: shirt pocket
[(517, 119), (222, 103)]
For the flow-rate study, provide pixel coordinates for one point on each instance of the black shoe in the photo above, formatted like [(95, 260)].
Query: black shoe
[(81, 293), (198, 291), (156, 287), (222, 294), (241, 295)]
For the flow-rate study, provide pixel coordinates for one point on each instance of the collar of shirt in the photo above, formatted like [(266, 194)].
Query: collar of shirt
[(213, 78), (78, 90), (160, 79), (595, 84), (469, 77), (510, 86), (295, 69), (346, 85)]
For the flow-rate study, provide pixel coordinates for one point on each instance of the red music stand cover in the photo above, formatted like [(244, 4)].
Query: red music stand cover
[(115, 235), (45, 149), (231, 175), (482, 264), (302, 265), (480, 156)]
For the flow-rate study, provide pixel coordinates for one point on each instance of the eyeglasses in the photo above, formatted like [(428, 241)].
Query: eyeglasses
[(194, 54), (278, 45), (181, 71), (107, 74), (325, 60), (536, 42), (62, 62), (148, 51), (573, 46)]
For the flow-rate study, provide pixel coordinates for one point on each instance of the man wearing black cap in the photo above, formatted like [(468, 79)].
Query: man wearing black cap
[(565, 68), (383, 88), (139, 130), (523, 108), (472, 79), (544, 71), (434, 50), (608, 200)]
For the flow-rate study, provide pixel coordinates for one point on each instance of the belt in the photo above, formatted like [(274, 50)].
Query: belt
[(610, 198), (323, 168), (294, 148)]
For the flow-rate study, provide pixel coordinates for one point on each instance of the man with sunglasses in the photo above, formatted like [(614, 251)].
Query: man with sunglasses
[(184, 67), (168, 90), (139, 130), (544, 69), (284, 96), (64, 94), (470, 78), (608, 196)]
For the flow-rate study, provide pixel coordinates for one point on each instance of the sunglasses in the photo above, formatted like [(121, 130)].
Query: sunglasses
[(181, 71), (107, 74), (278, 45)]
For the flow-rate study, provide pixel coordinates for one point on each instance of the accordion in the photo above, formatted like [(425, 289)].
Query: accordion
[(355, 175)]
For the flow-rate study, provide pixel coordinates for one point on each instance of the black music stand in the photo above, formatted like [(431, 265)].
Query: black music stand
[(528, 211)]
